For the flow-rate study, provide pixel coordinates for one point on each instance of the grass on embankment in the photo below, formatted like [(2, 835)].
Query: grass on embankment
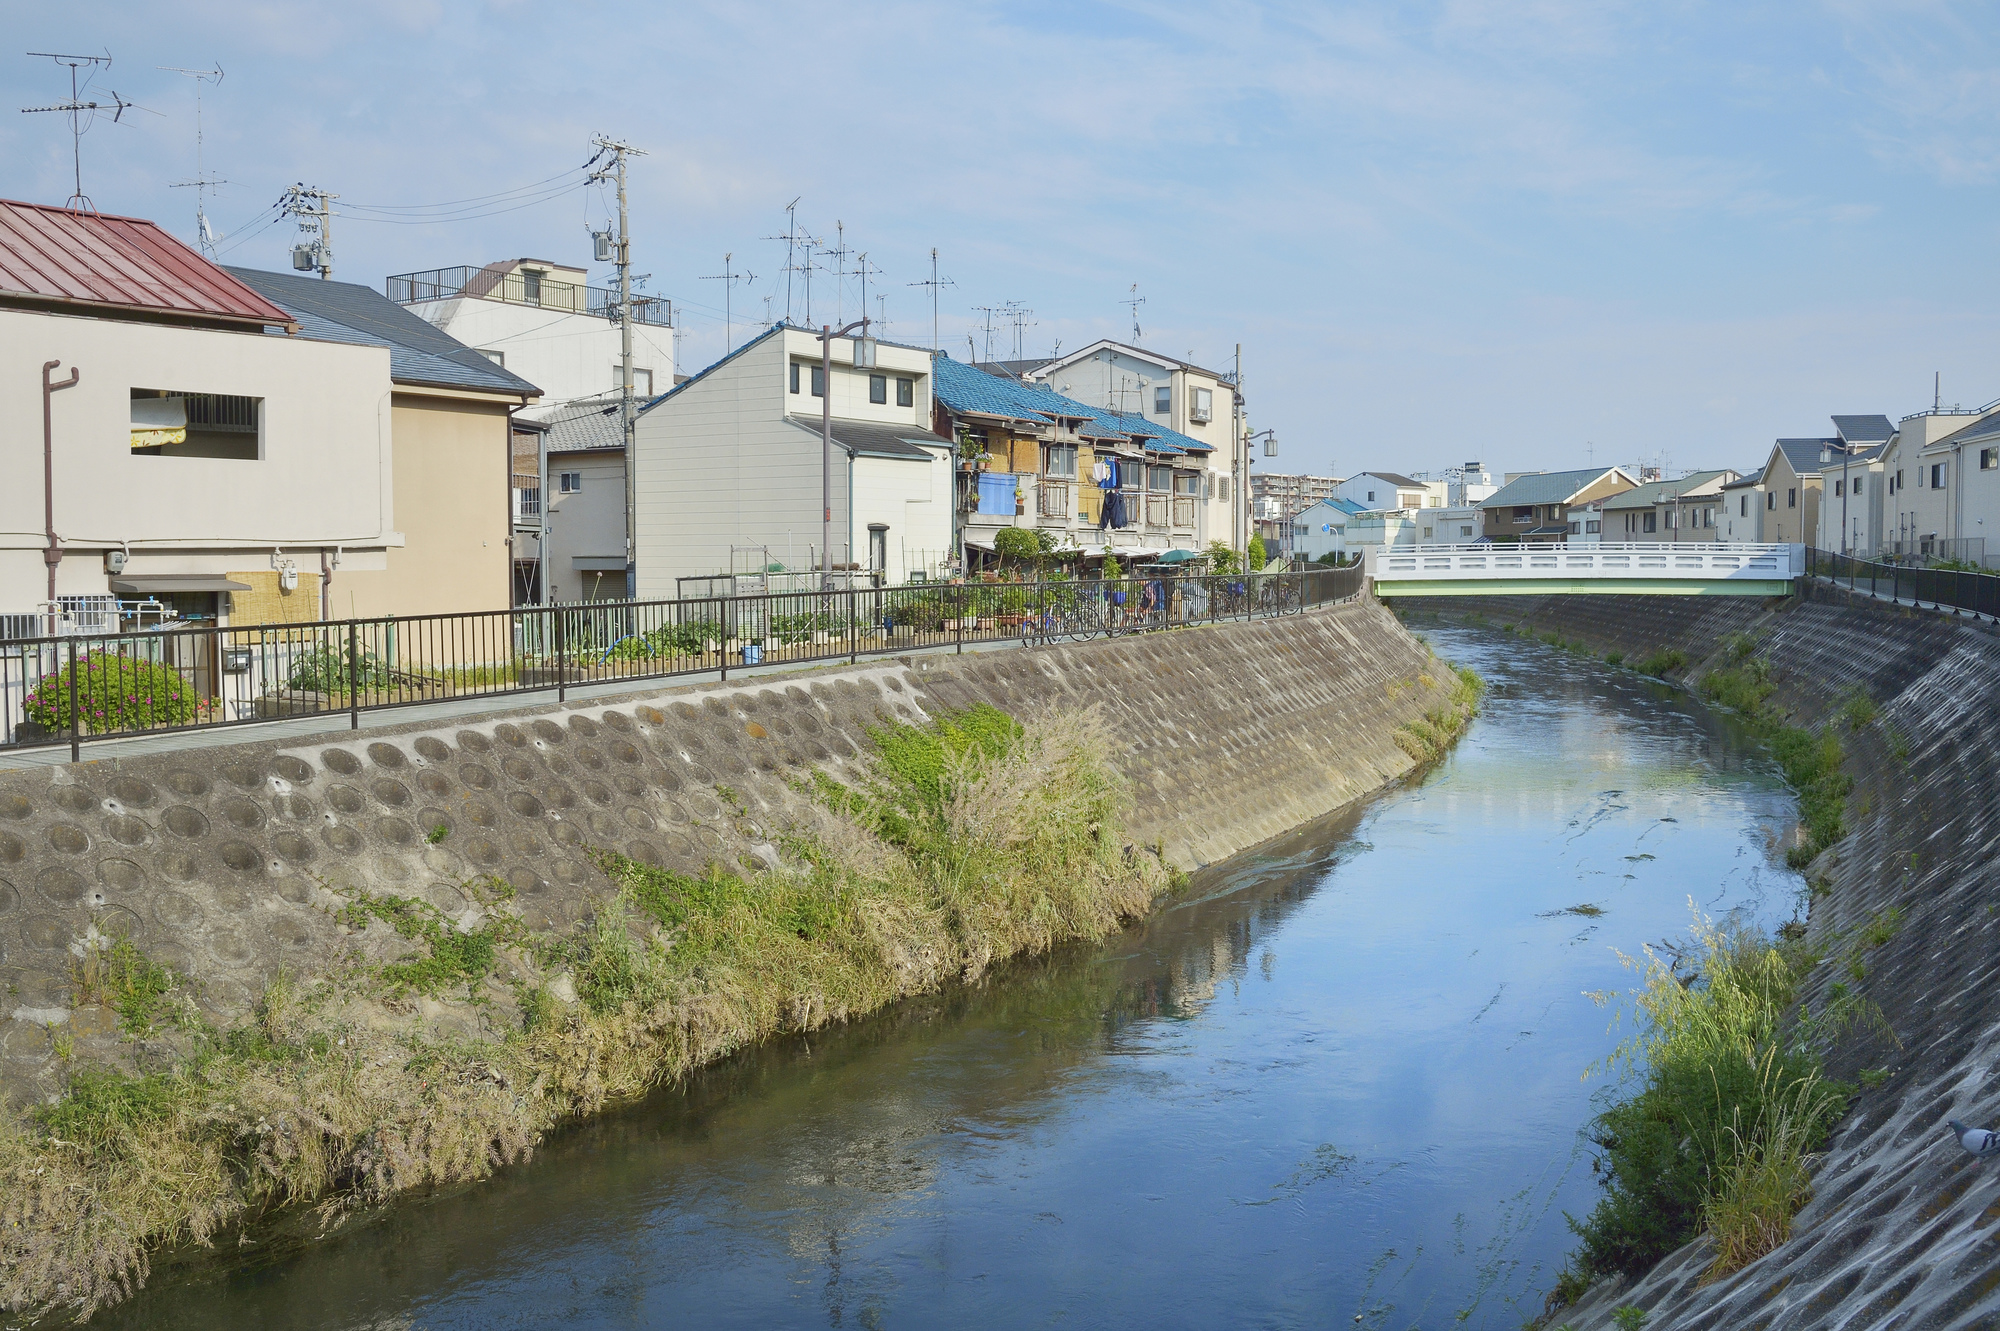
[(1427, 738), (971, 840)]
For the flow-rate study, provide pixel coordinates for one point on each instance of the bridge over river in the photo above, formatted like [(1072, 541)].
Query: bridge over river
[(1706, 568)]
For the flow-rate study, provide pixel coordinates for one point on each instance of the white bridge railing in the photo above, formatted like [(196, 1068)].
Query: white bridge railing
[(1704, 560)]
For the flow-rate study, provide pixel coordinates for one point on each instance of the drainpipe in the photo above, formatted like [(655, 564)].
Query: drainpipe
[(52, 554)]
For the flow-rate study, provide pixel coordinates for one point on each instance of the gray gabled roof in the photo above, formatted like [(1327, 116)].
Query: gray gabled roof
[(872, 439), (1863, 429), (1747, 481), (1388, 476), (1986, 427), (1648, 493), (583, 425), (1547, 487), (1803, 454), (420, 353)]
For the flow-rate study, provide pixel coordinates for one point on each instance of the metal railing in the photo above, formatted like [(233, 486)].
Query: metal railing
[(72, 689), (1943, 588), (519, 288), (1052, 499)]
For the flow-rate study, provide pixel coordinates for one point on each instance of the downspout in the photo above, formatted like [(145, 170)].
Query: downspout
[(52, 553)]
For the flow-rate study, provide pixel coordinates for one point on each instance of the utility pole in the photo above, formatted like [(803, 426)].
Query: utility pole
[(1239, 502), (626, 415), (936, 285), (729, 280), (314, 209), (204, 235)]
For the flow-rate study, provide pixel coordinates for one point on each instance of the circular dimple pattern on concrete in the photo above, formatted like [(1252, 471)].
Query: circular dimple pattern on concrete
[(243, 813), (510, 735), (10, 900), (241, 857), (559, 796), (635, 816), (63, 887), (519, 768), (12, 848), (341, 761), (178, 866), (295, 770), (13, 805), (44, 933), (433, 749), (591, 759), (287, 932), (192, 785), (395, 831), (480, 815), (475, 776), (184, 820), (231, 947), (546, 729), (346, 799), (624, 752), (583, 725), (630, 784), (667, 780), (435, 784), (446, 897), (618, 721), (524, 804), (392, 793), (344, 840), (121, 876), (295, 807), (644, 852), (295, 890), (526, 881), (526, 843), (472, 741), (600, 824), (596, 792), (69, 840), (247, 775), (386, 755), (483, 850), (133, 792), (127, 831), (565, 834), (293, 847), (75, 798)]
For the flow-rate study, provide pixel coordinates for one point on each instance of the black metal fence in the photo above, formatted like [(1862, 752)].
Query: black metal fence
[(1978, 593), (76, 688)]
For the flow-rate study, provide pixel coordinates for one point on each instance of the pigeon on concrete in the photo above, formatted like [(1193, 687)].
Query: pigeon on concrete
[(1980, 1141)]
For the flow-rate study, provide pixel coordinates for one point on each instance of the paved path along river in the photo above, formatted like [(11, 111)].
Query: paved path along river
[(1339, 1080)]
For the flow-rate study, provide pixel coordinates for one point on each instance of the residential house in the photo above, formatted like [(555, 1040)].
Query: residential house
[(1455, 524), (1276, 498), (570, 503), (1742, 509), (1686, 508), (1855, 494), (1792, 475), (449, 412), (729, 465), (194, 465), (544, 322), (1321, 529), (1095, 480), (1942, 471), (1381, 529), (1536, 506), (1174, 394), (1388, 490)]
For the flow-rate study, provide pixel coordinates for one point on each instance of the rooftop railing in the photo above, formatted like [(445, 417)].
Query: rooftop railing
[(524, 288)]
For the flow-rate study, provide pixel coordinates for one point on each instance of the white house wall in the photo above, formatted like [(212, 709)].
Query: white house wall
[(322, 478), (564, 354)]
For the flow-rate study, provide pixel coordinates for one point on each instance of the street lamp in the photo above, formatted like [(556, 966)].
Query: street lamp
[(826, 337)]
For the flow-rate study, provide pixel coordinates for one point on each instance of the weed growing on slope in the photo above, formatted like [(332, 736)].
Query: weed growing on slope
[(1660, 664), (1426, 738), (1811, 761)]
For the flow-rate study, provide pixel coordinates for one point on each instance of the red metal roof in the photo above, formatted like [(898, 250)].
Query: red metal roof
[(117, 263)]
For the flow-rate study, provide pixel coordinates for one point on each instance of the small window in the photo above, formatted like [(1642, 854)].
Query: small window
[(1899, 478), (1159, 479), (642, 380), (1743, 506), (1187, 483), (906, 392), (1792, 497), (1839, 489), (1857, 483), (1652, 522), (569, 482), (1937, 475), (497, 357), (1467, 530), (195, 425), (1771, 501), (1522, 516), (878, 388), (819, 381), (1061, 460), (1371, 496), (1708, 517), (1163, 400), (1199, 409), (795, 376), (1591, 528), (1989, 460)]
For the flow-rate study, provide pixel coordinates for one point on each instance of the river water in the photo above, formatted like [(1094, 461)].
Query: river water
[(1338, 1083)]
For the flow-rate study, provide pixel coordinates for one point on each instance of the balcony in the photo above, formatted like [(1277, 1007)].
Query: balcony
[(518, 288), (1052, 500), (1184, 510), (1158, 509)]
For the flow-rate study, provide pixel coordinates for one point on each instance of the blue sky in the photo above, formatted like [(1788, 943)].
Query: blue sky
[(1533, 233)]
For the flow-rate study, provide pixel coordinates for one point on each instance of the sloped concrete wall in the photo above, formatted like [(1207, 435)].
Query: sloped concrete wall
[(1904, 1230), (219, 861)]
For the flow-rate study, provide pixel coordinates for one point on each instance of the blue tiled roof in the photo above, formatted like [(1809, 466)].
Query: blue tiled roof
[(966, 388)]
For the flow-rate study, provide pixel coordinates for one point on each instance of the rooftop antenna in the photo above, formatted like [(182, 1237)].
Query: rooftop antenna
[(989, 311), (1133, 302), (866, 269), (1937, 390), (314, 209), (936, 284), (204, 234), (76, 108), (767, 311), (882, 314), (729, 278), (1017, 314), (790, 238), (839, 253)]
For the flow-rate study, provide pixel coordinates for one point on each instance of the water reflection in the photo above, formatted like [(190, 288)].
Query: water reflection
[(1340, 1080)]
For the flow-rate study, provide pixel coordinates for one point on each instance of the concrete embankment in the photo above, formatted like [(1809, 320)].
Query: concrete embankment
[(221, 862), (1904, 1228)]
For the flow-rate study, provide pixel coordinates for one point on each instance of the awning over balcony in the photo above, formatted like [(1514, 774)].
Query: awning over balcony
[(151, 584)]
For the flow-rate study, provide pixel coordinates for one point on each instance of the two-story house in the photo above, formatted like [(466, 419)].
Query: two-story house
[(1742, 509), (732, 460), (1389, 490), (1535, 507), (1941, 486), (1675, 511), (1793, 481)]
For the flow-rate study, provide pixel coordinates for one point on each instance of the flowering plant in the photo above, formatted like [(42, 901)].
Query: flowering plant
[(116, 692)]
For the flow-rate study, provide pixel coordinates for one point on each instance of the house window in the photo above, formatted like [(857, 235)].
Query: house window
[(1899, 478), (1222, 488), (1989, 459), (1937, 475), (1792, 497), (1857, 483), (1771, 502), (819, 381), (1061, 460), (497, 357), (1467, 530), (1743, 506), (531, 285), (1839, 489), (1187, 483), (1371, 496), (878, 388), (906, 392), (1591, 528), (795, 376), (569, 482), (166, 423), (642, 380), (1652, 522), (1708, 518), (1524, 515), (878, 547), (1159, 479), (1163, 400), (1199, 408)]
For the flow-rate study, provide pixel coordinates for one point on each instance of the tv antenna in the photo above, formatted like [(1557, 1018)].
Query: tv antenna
[(864, 270), (882, 315), (204, 234), (82, 115), (839, 251), (987, 326), (936, 284), (791, 239), (1133, 302), (729, 278), (1019, 315), (314, 209)]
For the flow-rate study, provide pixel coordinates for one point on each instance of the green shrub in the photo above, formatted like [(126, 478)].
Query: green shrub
[(116, 692), (324, 669), (1668, 661), (1257, 555), (1222, 560), (690, 638)]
